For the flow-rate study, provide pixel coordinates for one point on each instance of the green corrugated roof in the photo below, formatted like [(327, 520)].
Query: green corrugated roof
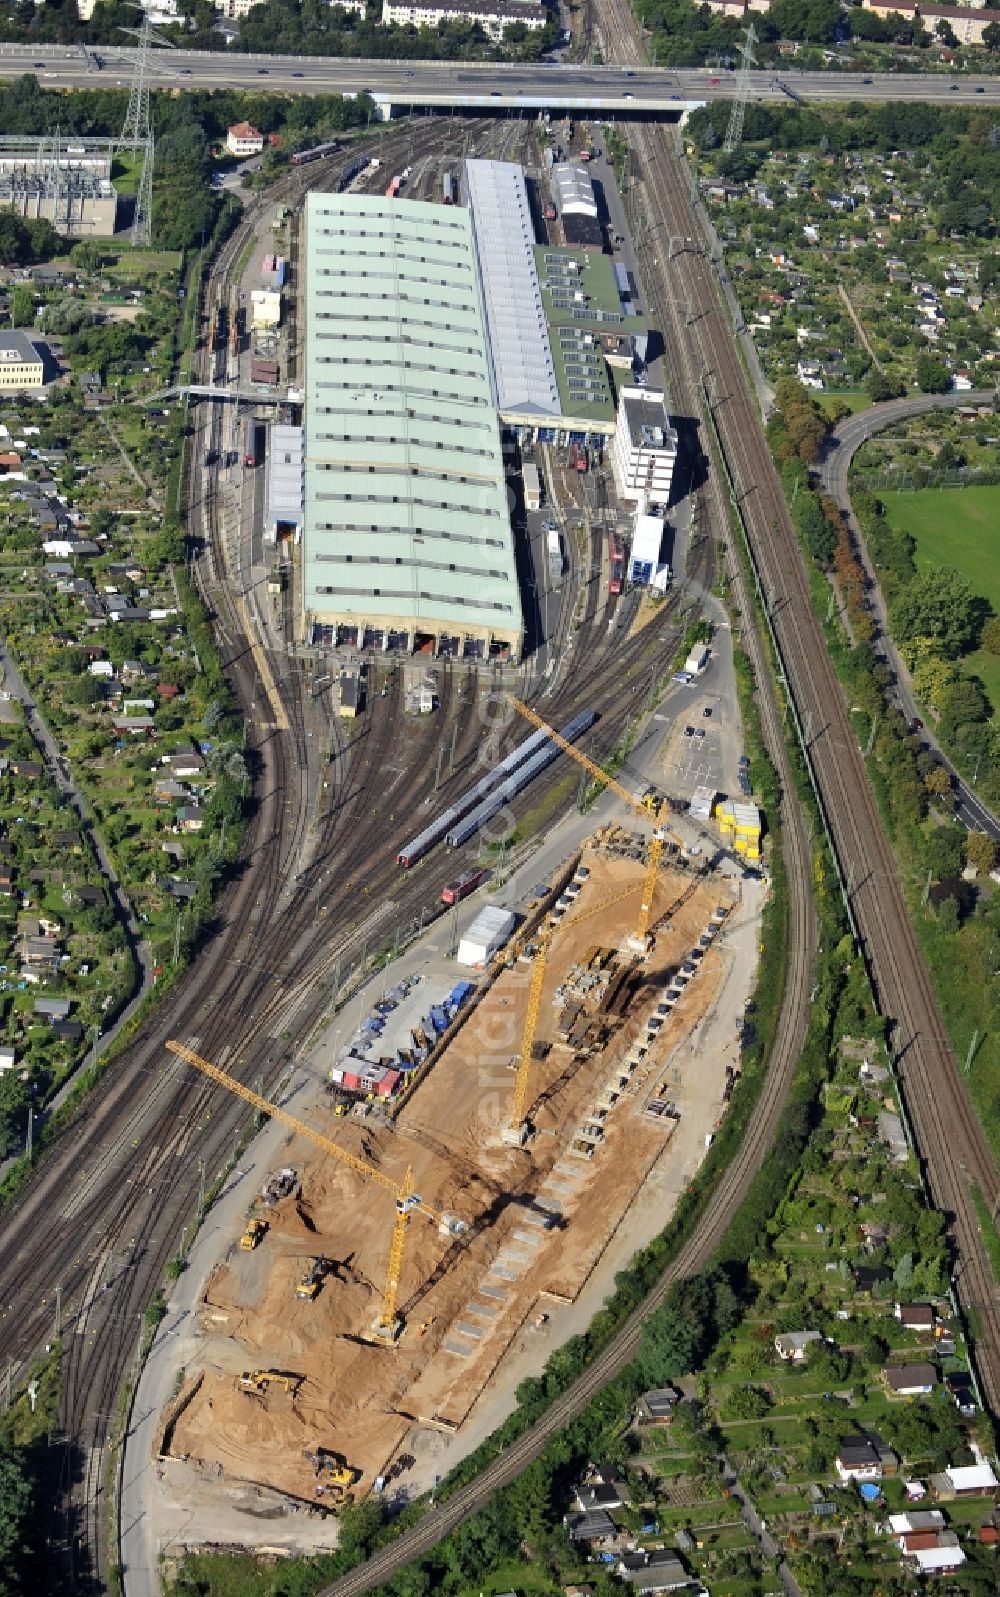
[(565, 274), (406, 505)]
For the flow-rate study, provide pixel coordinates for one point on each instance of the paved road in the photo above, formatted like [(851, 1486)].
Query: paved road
[(492, 85), (834, 471), (142, 954)]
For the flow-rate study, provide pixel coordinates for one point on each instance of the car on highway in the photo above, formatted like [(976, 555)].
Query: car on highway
[(867, 80), (953, 87), (689, 731), (707, 712), (980, 89), (700, 732), (262, 72), (628, 96), (298, 74)]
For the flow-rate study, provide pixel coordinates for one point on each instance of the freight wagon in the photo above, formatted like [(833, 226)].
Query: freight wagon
[(448, 189)]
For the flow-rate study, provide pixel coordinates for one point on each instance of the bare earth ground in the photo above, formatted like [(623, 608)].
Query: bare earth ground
[(547, 1226)]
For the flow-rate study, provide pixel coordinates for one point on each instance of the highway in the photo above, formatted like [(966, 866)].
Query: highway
[(834, 471), (492, 86)]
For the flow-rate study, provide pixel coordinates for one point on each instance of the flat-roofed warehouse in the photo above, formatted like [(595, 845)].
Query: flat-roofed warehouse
[(407, 541)]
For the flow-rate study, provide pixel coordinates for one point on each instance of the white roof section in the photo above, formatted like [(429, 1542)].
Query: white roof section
[(523, 371), (406, 505), (285, 475), (647, 539), (574, 190), (972, 1477), (933, 1558)]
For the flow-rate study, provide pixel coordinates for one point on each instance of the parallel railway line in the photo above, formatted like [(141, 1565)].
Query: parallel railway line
[(949, 1138)]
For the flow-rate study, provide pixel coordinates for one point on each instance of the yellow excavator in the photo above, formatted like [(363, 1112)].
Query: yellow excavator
[(260, 1380), (313, 1279), (333, 1471)]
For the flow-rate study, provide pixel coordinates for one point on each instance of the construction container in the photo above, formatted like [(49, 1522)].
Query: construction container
[(489, 931)]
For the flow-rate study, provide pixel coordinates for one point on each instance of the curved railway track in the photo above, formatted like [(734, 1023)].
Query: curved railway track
[(105, 1207), (765, 1122)]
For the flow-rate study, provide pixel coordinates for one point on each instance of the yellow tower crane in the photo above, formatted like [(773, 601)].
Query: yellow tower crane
[(661, 835), (517, 1131), (390, 1322)]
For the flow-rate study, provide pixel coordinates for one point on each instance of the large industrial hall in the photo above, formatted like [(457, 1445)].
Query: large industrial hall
[(408, 543)]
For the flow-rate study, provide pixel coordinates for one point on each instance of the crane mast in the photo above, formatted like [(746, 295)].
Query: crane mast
[(660, 836), (389, 1323), (517, 1130)]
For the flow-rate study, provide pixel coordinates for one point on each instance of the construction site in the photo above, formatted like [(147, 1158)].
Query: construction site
[(406, 1264)]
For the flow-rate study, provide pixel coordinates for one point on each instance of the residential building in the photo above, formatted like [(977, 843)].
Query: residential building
[(22, 362), (791, 1345), (596, 1528), (915, 1317), (644, 448), (190, 818), (857, 1460), (244, 139), (657, 1406), (969, 25), (493, 16), (966, 1480), (910, 1380)]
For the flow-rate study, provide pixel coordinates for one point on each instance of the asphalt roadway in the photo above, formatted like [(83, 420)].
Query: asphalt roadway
[(492, 85), (834, 470)]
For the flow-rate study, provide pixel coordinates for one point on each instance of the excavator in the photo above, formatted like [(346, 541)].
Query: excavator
[(313, 1279), (260, 1380), (333, 1472)]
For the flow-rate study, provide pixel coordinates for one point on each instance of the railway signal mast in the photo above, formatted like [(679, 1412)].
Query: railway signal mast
[(734, 131)]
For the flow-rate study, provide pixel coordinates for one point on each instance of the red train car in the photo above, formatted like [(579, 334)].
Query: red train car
[(616, 563)]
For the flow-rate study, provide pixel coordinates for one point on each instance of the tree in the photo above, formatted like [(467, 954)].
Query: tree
[(938, 782), (15, 1511), (963, 703), (15, 240), (941, 607), (879, 387), (980, 851), (944, 849), (932, 677), (991, 37), (87, 255), (989, 638), (933, 376)]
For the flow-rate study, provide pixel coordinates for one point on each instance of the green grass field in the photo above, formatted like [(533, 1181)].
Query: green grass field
[(855, 398), (957, 527)]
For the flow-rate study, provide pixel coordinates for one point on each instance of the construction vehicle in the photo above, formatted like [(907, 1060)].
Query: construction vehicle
[(254, 1235), (647, 808), (260, 1380), (313, 1279), (332, 1469), (389, 1323)]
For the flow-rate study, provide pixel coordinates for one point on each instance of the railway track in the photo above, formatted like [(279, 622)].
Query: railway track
[(105, 1208), (949, 1138)]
